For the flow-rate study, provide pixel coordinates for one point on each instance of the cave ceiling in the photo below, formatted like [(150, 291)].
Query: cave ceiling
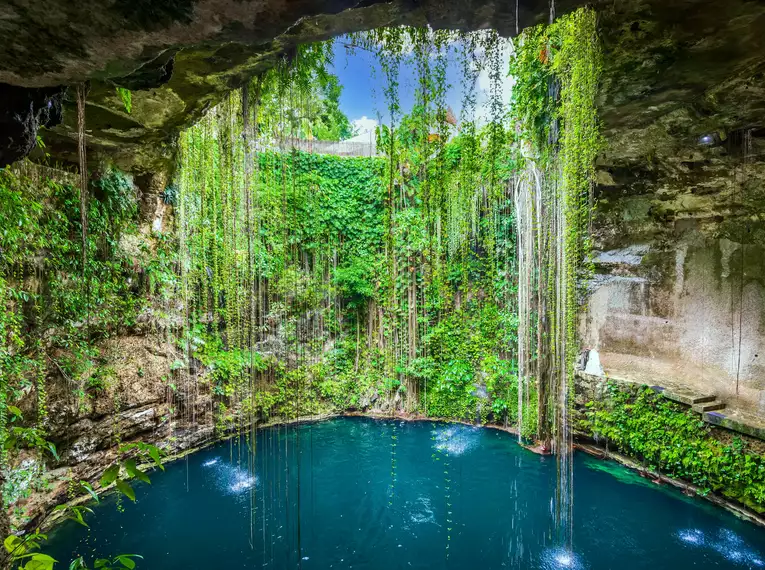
[(675, 71)]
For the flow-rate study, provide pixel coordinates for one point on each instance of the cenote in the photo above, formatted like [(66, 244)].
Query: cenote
[(380, 494), (401, 231)]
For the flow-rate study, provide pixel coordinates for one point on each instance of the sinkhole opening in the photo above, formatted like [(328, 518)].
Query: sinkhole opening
[(376, 246)]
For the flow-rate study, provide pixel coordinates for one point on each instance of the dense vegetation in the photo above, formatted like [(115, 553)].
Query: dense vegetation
[(55, 313), (55, 308), (669, 438), (392, 282), (439, 278), (377, 283)]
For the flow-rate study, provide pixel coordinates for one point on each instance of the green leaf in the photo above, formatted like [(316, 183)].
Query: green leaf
[(154, 453), (127, 560), (125, 488), (40, 561), (77, 514), (110, 475), (134, 471), (89, 488), (13, 543), (52, 448), (127, 98), (15, 412), (78, 564)]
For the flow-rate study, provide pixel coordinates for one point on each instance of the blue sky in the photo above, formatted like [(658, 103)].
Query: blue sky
[(363, 98)]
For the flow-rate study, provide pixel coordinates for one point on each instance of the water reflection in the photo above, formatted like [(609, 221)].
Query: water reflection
[(726, 543), (464, 498)]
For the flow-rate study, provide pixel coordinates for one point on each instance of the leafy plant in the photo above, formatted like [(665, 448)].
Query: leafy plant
[(127, 98), (667, 438)]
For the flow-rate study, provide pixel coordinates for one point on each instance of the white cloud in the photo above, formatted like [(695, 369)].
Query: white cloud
[(483, 84), (364, 125)]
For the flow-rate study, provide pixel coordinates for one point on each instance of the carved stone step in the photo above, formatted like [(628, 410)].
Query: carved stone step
[(702, 399), (684, 396), (708, 407)]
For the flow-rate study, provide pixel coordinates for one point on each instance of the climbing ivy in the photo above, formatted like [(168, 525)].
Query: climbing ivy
[(673, 440), (556, 69), (357, 264)]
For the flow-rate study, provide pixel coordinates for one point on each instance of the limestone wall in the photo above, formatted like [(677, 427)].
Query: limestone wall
[(678, 295)]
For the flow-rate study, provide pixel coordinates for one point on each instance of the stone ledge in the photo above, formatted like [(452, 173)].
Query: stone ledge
[(733, 420), (740, 422)]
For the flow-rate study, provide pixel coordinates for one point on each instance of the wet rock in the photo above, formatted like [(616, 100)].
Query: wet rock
[(22, 112), (150, 75)]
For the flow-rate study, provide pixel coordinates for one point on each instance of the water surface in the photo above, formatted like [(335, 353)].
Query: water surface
[(383, 495)]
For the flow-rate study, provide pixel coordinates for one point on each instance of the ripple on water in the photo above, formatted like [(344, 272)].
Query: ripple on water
[(726, 543), (421, 512), (231, 478), (455, 440), (561, 558)]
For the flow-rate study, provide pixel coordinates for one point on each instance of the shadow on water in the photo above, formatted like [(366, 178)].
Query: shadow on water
[(459, 497)]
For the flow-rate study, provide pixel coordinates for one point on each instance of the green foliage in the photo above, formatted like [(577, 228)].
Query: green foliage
[(127, 98), (667, 437), (122, 472), (452, 395), (557, 68), (52, 309), (299, 98), (22, 552), (119, 562), (227, 368), (326, 283), (533, 106), (114, 190)]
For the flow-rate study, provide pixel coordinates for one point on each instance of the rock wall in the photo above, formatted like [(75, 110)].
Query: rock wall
[(123, 386), (678, 295)]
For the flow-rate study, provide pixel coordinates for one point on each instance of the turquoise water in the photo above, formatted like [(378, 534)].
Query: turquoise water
[(384, 495)]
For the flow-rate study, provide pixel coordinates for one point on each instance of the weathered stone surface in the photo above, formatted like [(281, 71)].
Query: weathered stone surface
[(22, 113), (680, 281)]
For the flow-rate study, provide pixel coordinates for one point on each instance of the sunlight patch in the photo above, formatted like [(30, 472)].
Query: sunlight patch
[(727, 544), (421, 511), (561, 558), (231, 478), (242, 483), (455, 440), (691, 536)]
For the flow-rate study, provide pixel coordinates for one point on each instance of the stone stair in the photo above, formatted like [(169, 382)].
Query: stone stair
[(711, 410), (713, 405), (700, 403)]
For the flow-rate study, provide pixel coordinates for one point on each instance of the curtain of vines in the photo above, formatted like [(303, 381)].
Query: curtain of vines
[(557, 69), (315, 283)]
